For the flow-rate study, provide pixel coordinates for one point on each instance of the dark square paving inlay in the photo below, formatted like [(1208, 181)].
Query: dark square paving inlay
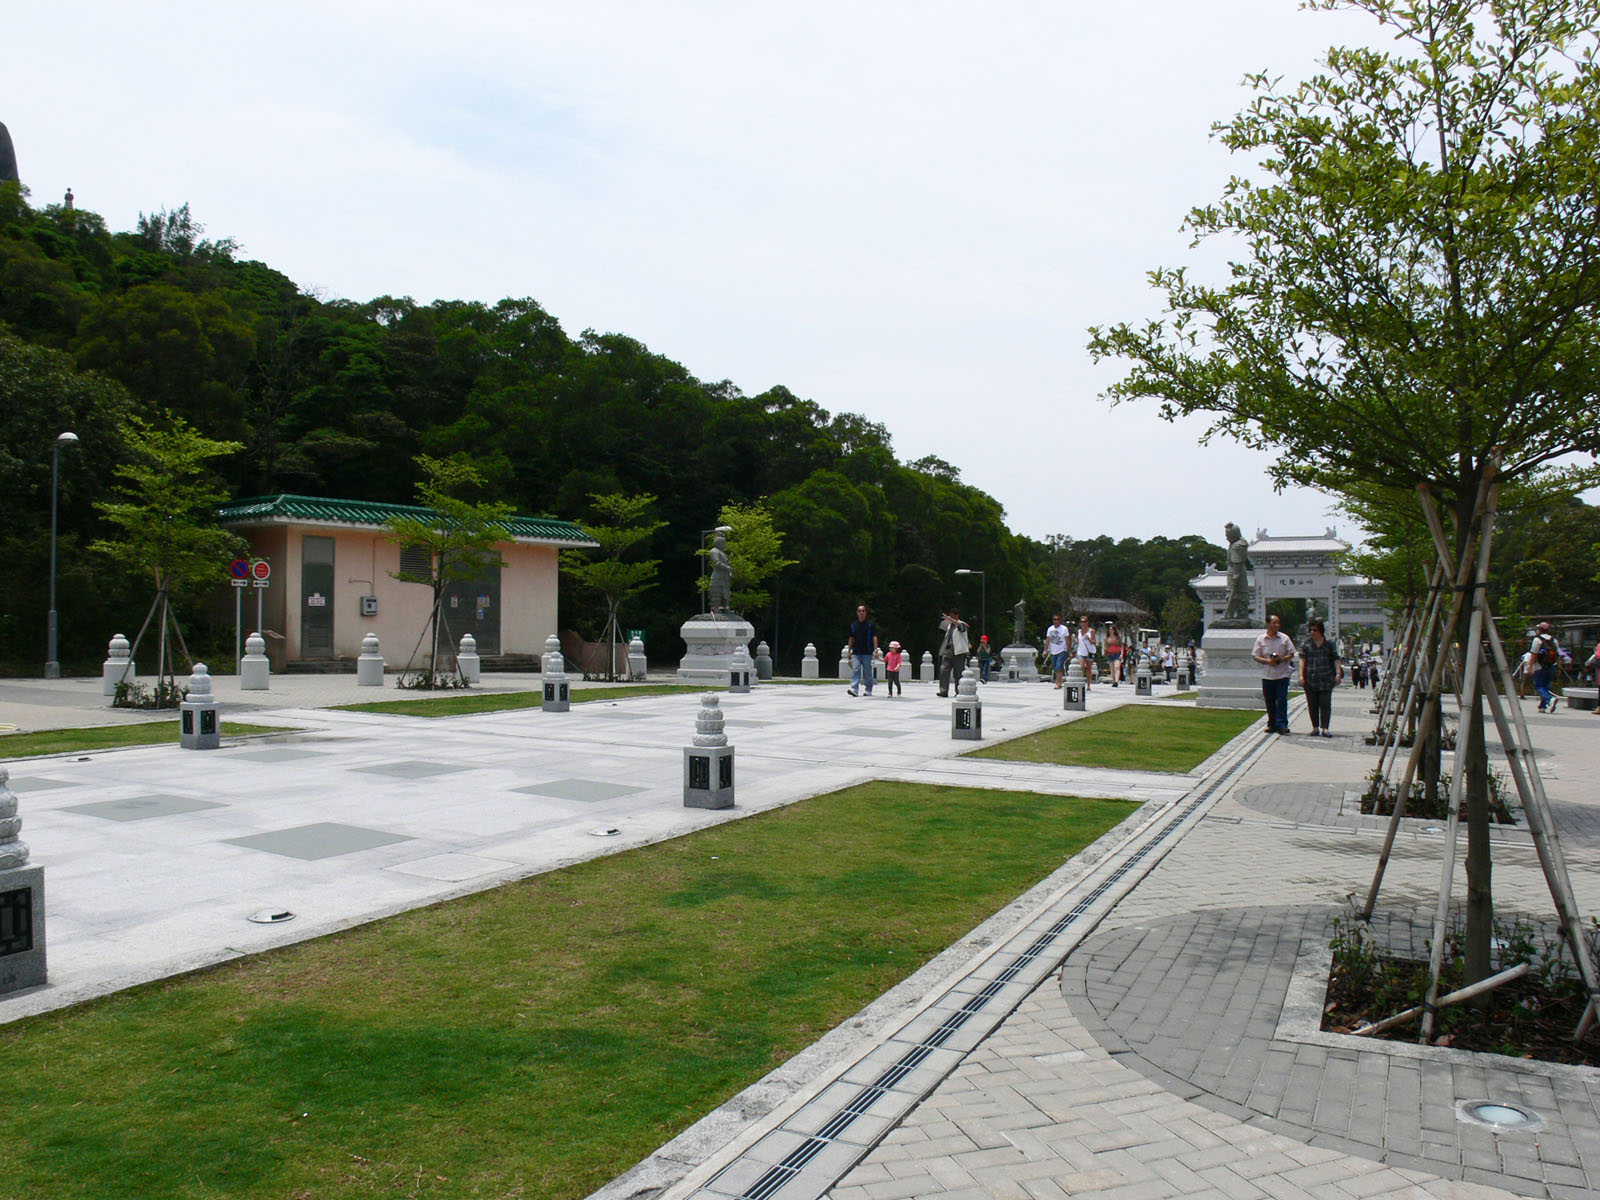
[(142, 808), (579, 789), (35, 783), (326, 839), (411, 769)]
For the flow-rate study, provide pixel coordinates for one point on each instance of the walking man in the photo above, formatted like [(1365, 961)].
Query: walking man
[(1055, 645), (1544, 654), (1275, 652), (863, 645)]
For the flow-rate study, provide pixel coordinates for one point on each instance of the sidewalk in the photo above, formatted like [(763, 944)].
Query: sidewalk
[(1141, 1025)]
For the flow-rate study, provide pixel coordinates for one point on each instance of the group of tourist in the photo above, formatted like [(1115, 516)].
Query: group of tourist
[(1321, 670)]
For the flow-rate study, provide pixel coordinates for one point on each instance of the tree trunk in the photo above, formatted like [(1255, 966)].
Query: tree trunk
[(1480, 898)]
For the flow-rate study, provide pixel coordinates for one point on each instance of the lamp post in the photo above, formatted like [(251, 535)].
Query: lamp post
[(703, 532), (983, 612), (52, 669)]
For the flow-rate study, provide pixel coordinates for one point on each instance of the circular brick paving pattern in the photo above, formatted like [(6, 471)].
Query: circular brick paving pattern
[(1195, 1003)]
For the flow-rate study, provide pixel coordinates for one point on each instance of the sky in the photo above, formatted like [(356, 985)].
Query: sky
[(911, 211)]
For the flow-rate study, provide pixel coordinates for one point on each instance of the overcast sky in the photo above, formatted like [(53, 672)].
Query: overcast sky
[(910, 211)]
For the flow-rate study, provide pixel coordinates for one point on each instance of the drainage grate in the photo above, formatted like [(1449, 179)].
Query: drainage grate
[(781, 1173)]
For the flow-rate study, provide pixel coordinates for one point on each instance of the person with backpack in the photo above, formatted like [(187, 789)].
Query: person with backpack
[(1545, 654)]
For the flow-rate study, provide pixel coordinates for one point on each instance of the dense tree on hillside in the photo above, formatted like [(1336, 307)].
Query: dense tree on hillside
[(339, 397)]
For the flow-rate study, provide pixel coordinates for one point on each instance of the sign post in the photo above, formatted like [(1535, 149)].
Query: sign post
[(239, 576), (261, 576)]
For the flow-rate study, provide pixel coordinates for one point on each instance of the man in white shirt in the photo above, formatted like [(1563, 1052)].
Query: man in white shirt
[(1275, 652), (1055, 645)]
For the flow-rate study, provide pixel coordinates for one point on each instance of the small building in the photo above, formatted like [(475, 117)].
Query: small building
[(333, 566)]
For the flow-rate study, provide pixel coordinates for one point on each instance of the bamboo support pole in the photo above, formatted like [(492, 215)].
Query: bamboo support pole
[(1456, 997)]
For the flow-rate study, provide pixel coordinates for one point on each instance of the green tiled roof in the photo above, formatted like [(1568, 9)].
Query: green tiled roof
[(369, 512)]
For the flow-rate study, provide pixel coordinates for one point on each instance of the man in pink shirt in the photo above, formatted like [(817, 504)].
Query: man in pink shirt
[(1275, 652)]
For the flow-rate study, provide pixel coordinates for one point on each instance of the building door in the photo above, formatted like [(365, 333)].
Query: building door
[(316, 597), (473, 606)]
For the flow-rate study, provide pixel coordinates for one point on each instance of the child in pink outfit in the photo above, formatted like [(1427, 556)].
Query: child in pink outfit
[(891, 668)]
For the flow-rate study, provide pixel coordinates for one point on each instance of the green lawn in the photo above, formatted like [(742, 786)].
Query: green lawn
[(1135, 737), (105, 737), (533, 1040), (461, 703)]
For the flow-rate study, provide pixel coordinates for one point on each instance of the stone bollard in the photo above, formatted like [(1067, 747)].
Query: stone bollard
[(1075, 688), (1183, 683), (844, 662), (1141, 678), (740, 671), (966, 710), (369, 667), (557, 691), (199, 726), (118, 667), (925, 670), (22, 887), (708, 764), (763, 661), (254, 669), (809, 667), (467, 660), (638, 668)]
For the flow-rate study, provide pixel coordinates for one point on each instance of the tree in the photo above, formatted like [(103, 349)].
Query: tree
[(457, 535), (1416, 290), (755, 553), (622, 525), (167, 525)]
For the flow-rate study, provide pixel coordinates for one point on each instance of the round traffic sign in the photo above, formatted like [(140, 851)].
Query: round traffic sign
[(261, 569), (239, 568)]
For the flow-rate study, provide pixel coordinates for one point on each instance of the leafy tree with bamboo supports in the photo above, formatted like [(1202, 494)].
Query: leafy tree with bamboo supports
[(1415, 279), (166, 522)]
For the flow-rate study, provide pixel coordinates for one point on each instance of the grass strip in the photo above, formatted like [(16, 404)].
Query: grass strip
[(532, 1040), (106, 737), (1135, 737), (466, 703)]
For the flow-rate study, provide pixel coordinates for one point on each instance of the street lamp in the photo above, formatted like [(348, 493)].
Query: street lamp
[(703, 589), (983, 581), (52, 669)]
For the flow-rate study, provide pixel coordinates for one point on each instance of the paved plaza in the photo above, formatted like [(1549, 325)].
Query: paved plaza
[(1143, 1024)]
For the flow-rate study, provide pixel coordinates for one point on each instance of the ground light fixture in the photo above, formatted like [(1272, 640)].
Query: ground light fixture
[(52, 668), (1499, 1115)]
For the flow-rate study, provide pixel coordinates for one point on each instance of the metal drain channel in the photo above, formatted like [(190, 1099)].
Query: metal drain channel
[(781, 1173)]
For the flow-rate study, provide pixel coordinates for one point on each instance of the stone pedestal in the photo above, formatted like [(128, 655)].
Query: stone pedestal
[(966, 710), (21, 902), (809, 667), (711, 639), (1141, 680), (708, 763), (199, 720), (553, 672), (118, 667), (1232, 677), (925, 669), (763, 661), (1018, 664), (1074, 687), (467, 660), (638, 667), (255, 672), (369, 667), (741, 671), (846, 667), (1181, 680)]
